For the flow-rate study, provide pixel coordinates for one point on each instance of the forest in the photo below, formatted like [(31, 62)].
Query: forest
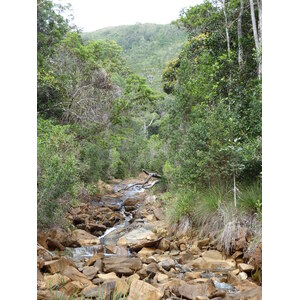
[(188, 107)]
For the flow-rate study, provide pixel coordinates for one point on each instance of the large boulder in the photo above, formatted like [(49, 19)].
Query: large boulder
[(122, 265), (58, 265), (90, 272), (71, 288), (142, 290), (55, 281), (212, 264), (80, 237), (75, 275), (138, 238)]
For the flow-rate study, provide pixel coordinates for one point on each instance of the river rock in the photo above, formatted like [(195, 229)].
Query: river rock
[(246, 268), (142, 290), (164, 244), (138, 238), (92, 260), (191, 291), (212, 264), (53, 244), (167, 264), (152, 269), (109, 276), (50, 295), (203, 243), (162, 278), (242, 276), (71, 288), (55, 281), (186, 257), (55, 266), (251, 294), (214, 254), (90, 272), (159, 214), (122, 265), (146, 252), (75, 275), (82, 238)]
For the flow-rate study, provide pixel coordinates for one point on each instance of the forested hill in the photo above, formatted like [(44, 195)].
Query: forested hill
[(147, 47)]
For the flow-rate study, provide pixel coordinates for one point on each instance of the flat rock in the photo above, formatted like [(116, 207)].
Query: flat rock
[(142, 290), (58, 265), (246, 268), (75, 275), (214, 254), (122, 265), (212, 265), (83, 238), (90, 272), (55, 281), (159, 214), (109, 276), (203, 242), (72, 288), (167, 264)]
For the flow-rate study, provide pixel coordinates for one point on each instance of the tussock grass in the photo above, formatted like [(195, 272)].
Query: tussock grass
[(213, 214)]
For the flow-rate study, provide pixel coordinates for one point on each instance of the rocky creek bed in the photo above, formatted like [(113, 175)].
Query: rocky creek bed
[(123, 248)]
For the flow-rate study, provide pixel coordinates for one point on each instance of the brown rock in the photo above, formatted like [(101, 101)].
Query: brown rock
[(211, 264), (237, 254), (54, 244), (83, 238), (42, 238), (71, 288), (142, 290), (159, 214), (173, 246), (104, 188), (75, 275), (55, 281), (58, 265), (109, 276), (162, 278), (50, 295), (203, 242), (90, 272), (216, 294), (146, 252), (194, 249), (164, 244), (214, 254), (246, 268), (122, 265), (182, 247), (252, 294), (152, 269), (167, 264), (242, 276), (94, 258)]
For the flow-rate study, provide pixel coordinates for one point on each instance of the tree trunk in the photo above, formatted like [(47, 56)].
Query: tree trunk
[(234, 190), (226, 28), (239, 31), (256, 40)]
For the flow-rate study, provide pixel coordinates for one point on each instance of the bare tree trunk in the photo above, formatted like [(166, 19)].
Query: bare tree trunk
[(256, 40), (239, 31), (234, 190), (226, 28)]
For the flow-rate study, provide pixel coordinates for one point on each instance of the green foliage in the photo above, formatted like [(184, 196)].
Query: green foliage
[(147, 47)]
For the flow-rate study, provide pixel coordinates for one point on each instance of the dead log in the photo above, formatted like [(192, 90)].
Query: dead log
[(145, 183)]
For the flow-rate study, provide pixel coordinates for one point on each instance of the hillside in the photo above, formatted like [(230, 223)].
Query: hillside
[(147, 47)]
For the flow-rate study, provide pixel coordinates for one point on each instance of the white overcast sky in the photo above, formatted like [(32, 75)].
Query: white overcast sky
[(91, 15)]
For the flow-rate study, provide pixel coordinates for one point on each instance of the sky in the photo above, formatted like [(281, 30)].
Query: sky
[(91, 15)]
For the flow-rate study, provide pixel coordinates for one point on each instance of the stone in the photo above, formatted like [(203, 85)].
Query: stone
[(98, 264), (194, 249), (152, 269), (242, 276), (191, 291), (162, 278), (50, 295), (71, 288), (53, 244), (212, 265), (251, 294), (42, 238), (146, 252), (167, 264), (175, 252), (138, 238), (173, 246), (118, 250), (122, 265), (192, 275), (132, 277), (58, 265), (142, 290), (55, 281), (96, 281), (214, 254), (40, 276), (186, 257), (92, 260), (104, 277), (203, 243), (83, 238), (159, 214), (246, 268), (164, 244), (75, 275), (90, 272), (216, 294), (182, 247), (237, 254), (201, 298)]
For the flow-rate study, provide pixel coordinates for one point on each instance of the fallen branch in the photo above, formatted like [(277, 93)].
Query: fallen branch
[(144, 184)]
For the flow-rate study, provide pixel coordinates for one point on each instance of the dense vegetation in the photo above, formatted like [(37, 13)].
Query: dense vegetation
[(147, 48), (97, 119)]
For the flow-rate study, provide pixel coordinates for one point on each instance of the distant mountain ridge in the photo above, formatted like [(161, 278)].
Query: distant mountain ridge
[(147, 47)]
